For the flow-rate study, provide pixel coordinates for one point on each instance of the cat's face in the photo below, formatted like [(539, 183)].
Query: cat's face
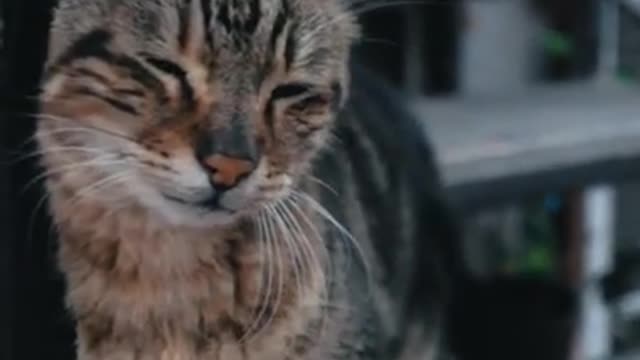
[(201, 111)]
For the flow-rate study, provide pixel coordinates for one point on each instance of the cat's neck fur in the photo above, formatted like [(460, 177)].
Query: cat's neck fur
[(171, 291)]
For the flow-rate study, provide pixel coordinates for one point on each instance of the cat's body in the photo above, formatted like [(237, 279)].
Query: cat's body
[(212, 204)]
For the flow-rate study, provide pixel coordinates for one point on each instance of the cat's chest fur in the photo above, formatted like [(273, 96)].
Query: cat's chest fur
[(175, 294)]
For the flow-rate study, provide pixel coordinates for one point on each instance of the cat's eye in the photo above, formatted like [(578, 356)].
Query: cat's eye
[(317, 100), (302, 96), (290, 90)]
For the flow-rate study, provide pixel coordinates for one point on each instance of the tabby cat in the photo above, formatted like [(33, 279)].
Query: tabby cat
[(217, 193)]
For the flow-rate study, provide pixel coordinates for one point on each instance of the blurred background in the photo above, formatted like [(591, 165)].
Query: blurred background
[(533, 110)]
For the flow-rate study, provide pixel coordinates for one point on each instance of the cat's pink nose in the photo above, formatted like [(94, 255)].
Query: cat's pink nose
[(226, 171), (228, 152)]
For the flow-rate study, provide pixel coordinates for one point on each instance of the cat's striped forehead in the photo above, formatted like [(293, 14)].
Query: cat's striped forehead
[(242, 16), (225, 23), (260, 23), (241, 25), (229, 50)]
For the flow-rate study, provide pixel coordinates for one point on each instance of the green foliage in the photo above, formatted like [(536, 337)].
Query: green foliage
[(557, 43)]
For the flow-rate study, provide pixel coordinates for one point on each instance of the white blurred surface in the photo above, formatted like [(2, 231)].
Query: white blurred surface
[(488, 137), (498, 46)]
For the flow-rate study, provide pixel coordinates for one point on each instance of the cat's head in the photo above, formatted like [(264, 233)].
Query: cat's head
[(198, 110)]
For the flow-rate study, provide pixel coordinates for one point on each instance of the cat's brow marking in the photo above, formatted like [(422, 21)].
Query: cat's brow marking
[(279, 25), (175, 70), (118, 104)]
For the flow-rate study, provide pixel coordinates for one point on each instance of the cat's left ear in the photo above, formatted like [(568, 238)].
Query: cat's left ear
[(192, 38)]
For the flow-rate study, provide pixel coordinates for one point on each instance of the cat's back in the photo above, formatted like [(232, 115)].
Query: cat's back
[(384, 185)]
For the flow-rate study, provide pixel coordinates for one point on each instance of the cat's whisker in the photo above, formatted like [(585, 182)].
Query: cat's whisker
[(323, 292), (81, 130), (372, 40), (57, 150), (255, 328), (22, 156), (97, 186), (87, 127), (96, 162), (321, 269), (73, 200), (274, 229), (298, 261), (326, 276), (280, 281), (322, 183), (39, 207), (31, 139), (259, 221), (68, 130), (265, 259), (325, 214), (308, 222), (304, 242), (342, 17), (358, 5), (368, 6), (296, 258)]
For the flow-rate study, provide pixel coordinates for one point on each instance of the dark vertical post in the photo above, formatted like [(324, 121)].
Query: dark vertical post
[(442, 27), (382, 48), (37, 322), (5, 235), (571, 248), (385, 43)]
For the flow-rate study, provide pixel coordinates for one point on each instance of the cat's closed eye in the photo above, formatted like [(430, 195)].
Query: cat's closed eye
[(312, 101), (290, 90), (303, 96)]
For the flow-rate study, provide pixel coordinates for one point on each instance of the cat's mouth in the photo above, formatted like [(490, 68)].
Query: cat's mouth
[(210, 204)]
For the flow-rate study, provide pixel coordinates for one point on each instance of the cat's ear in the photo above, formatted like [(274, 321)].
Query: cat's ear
[(193, 29)]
